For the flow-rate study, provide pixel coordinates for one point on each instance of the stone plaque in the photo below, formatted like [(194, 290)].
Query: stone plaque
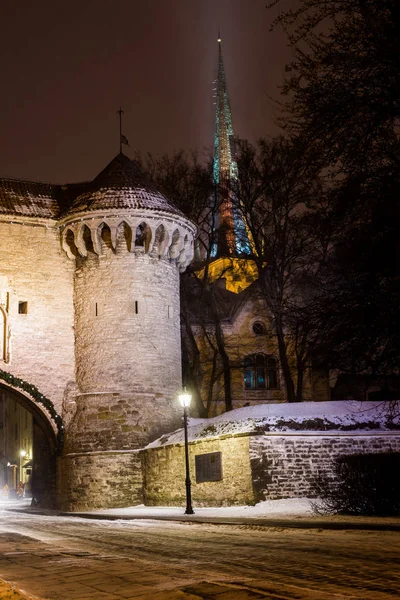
[(208, 467)]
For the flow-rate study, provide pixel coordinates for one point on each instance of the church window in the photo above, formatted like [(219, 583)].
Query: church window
[(22, 308), (259, 328), (260, 372), (136, 307)]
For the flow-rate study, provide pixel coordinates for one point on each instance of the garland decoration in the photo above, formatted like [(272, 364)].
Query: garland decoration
[(34, 393)]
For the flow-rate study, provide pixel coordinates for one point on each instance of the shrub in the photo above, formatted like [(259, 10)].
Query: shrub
[(362, 484)]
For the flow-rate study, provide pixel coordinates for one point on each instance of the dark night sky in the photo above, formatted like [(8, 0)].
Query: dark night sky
[(67, 66)]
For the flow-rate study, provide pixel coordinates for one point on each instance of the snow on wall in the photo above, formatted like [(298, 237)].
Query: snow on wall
[(288, 445), (342, 415)]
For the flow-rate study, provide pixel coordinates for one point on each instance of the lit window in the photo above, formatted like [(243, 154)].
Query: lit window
[(260, 372)]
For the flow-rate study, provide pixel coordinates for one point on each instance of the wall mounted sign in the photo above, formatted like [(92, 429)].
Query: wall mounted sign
[(208, 467)]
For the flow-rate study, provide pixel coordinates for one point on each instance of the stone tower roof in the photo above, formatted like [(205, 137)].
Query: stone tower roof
[(122, 185), (28, 199)]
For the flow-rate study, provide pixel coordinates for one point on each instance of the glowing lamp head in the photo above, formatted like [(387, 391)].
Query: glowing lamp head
[(219, 40), (185, 398), (23, 453)]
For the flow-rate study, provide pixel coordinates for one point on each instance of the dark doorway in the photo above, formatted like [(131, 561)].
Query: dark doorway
[(27, 450)]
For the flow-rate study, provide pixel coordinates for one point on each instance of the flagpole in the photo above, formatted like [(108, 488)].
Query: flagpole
[(120, 112)]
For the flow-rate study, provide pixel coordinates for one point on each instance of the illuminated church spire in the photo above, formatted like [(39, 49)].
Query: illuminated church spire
[(229, 228), (231, 249)]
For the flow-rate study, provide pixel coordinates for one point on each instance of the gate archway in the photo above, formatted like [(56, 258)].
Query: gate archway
[(31, 435)]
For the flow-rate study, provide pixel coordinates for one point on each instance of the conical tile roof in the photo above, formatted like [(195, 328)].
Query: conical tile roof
[(122, 185)]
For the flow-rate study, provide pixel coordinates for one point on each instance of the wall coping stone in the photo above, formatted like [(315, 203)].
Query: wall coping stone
[(98, 452), (321, 434), (98, 393), (353, 433), (12, 219)]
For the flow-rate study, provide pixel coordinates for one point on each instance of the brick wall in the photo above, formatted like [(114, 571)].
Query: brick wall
[(164, 474), (284, 466)]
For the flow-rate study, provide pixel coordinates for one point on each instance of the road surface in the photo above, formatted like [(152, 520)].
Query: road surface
[(69, 558)]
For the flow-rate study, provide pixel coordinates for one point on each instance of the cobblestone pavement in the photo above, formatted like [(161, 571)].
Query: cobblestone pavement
[(60, 558)]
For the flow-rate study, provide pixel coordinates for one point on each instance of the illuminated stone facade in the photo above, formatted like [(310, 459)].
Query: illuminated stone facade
[(255, 467), (253, 354), (89, 302)]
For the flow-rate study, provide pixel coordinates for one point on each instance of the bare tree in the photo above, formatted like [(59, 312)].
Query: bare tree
[(342, 101), (279, 196)]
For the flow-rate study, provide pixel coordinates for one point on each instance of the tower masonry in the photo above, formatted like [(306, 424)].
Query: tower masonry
[(128, 245)]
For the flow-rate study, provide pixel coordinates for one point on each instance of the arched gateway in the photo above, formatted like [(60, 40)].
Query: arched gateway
[(31, 434)]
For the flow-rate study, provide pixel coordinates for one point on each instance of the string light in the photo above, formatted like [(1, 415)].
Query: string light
[(32, 390)]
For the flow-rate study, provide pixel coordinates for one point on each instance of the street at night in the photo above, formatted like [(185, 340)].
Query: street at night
[(57, 558), (199, 291)]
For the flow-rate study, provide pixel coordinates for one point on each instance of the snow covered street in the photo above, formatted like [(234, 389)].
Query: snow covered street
[(60, 558)]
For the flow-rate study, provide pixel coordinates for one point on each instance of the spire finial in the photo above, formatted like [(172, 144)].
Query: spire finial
[(122, 138), (219, 37)]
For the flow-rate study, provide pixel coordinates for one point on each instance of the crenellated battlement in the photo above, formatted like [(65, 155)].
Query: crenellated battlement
[(143, 233)]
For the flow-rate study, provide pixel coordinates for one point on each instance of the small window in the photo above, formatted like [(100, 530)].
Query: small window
[(259, 328), (22, 307), (260, 372)]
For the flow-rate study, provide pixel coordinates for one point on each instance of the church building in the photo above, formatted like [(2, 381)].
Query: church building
[(234, 336)]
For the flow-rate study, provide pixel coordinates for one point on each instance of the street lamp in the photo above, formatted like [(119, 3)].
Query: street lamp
[(184, 399)]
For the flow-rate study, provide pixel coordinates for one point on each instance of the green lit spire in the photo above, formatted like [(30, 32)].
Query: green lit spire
[(230, 230)]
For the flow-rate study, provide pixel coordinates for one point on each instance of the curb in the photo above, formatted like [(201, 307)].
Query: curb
[(267, 523)]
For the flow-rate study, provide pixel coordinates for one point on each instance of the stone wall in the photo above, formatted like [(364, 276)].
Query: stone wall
[(164, 474), (99, 480), (127, 322), (34, 269), (254, 468), (128, 357), (128, 349), (284, 466)]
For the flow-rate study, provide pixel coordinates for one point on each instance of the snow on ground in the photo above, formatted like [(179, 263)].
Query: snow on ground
[(293, 507), (337, 416)]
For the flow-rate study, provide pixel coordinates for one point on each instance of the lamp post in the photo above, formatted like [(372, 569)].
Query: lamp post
[(184, 399), (22, 456)]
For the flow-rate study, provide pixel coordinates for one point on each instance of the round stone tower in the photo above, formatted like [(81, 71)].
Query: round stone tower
[(129, 245)]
